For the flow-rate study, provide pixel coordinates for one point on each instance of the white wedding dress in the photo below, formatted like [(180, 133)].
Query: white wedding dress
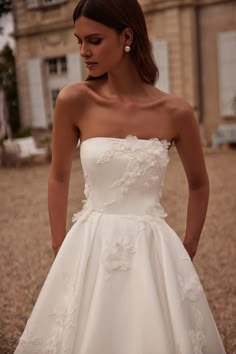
[(122, 281)]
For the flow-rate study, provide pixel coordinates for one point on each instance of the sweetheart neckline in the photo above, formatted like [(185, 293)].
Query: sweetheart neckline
[(164, 141)]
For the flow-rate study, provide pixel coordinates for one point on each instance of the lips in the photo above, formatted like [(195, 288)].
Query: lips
[(90, 64)]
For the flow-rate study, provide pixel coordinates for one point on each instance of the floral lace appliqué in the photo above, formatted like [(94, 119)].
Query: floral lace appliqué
[(116, 255), (191, 289), (190, 292), (197, 335), (143, 161), (62, 318)]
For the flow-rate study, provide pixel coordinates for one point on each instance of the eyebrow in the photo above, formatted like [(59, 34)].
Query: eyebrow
[(90, 35)]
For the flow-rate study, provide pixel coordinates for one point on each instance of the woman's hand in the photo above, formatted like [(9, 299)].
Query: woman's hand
[(56, 250), (190, 248)]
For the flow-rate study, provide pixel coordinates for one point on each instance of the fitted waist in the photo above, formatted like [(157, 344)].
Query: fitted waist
[(138, 209)]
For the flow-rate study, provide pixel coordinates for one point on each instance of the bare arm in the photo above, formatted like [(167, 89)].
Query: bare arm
[(188, 144), (64, 141)]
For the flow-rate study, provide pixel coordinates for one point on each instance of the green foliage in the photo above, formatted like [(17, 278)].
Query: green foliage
[(23, 133), (9, 86), (5, 7), (46, 140)]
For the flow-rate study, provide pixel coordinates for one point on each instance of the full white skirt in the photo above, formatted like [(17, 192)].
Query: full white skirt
[(121, 284)]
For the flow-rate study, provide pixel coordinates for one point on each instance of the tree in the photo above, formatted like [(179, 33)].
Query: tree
[(5, 7), (9, 86)]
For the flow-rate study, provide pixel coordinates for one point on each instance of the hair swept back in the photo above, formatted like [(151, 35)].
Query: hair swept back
[(119, 14)]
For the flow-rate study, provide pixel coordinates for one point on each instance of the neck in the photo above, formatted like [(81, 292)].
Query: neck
[(125, 82)]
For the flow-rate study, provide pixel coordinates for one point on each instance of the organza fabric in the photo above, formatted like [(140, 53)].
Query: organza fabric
[(122, 281)]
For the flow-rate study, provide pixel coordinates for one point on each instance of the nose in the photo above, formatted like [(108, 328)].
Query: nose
[(84, 51)]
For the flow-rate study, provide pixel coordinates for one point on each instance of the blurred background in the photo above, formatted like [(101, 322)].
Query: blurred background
[(194, 45)]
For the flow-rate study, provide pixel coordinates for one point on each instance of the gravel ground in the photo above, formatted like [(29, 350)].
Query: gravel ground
[(26, 255)]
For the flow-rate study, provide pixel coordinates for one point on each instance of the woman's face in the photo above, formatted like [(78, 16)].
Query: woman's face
[(100, 45)]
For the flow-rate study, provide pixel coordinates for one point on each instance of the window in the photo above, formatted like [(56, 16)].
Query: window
[(57, 65), (52, 2), (63, 64), (54, 94), (52, 66), (32, 4)]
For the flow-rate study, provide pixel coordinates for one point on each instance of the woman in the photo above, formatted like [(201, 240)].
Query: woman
[(122, 281)]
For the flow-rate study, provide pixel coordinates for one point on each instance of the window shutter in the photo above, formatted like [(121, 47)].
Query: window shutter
[(2, 115), (31, 4), (36, 92), (160, 54), (74, 68), (52, 2), (227, 73)]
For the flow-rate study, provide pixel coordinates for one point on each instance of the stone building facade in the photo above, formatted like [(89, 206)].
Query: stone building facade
[(194, 45)]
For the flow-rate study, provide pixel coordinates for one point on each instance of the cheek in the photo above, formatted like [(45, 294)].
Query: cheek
[(111, 54), (110, 48)]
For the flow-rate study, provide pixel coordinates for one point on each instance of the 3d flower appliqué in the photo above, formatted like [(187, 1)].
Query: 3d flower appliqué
[(116, 255)]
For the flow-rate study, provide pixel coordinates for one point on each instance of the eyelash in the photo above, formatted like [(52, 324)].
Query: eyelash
[(97, 42)]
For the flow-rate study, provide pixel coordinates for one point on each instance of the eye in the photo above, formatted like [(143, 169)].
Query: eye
[(92, 41), (96, 41)]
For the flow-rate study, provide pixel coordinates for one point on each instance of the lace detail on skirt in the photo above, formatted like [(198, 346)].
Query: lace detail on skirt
[(116, 256), (191, 291)]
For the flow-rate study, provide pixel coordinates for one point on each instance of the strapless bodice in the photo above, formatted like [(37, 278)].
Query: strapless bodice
[(123, 176)]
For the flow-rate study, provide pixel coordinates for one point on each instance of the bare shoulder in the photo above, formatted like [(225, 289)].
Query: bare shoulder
[(180, 112), (176, 105), (73, 92), (71, 100)]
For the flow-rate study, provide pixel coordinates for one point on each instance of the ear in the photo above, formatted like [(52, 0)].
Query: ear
[(128, 36)]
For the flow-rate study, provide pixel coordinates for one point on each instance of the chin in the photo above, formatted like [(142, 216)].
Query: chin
[(97, 74)]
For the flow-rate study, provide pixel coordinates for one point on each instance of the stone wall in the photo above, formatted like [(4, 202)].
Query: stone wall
[(193, 64)]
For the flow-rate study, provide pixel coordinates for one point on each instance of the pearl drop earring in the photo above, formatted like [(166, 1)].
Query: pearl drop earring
[(127, 48)]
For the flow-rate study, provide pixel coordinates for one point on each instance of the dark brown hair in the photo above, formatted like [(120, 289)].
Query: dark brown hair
[(119, 14)]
